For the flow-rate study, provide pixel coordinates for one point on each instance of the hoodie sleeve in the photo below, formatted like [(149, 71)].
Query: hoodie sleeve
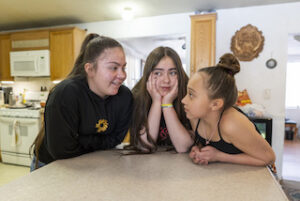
[(61, 124)]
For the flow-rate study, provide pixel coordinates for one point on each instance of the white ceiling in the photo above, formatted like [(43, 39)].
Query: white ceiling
[(144, 45), (21, 14)]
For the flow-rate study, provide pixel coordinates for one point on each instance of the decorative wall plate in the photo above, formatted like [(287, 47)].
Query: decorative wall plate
[(247, 43)]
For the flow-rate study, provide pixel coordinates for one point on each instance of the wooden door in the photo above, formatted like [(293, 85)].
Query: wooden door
[(203, 40)]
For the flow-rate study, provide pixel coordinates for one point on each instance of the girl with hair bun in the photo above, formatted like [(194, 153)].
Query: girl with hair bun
[(222, 132), (90, 110)]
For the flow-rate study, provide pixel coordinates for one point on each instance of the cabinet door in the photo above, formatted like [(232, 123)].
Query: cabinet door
[(203, 37), (5, 47), (62, 54), (30, 40)]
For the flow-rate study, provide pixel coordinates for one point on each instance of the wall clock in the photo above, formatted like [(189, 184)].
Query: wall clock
[(247, 43), (271, 63)]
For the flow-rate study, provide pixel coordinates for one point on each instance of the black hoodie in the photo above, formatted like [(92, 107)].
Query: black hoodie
[(77, 121)]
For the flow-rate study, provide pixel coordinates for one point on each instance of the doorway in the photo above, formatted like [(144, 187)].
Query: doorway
[(291, 150), (137, 50)]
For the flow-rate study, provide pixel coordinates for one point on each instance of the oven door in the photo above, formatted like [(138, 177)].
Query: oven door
[(17, 135)]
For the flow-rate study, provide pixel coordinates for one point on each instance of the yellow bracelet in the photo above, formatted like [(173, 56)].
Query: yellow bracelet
[(166, 105)]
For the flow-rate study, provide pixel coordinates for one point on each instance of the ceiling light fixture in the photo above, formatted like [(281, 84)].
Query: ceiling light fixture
[(127, 13)]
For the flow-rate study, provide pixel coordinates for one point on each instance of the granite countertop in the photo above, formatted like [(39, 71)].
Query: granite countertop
[(107, 175)]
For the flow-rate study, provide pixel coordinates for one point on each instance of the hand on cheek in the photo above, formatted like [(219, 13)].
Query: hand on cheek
[(171, 95), (152, 88)]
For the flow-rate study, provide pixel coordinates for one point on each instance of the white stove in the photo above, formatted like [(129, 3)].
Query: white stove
[(18, 129), (24, 112)]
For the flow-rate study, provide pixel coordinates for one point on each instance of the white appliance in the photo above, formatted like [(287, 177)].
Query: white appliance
[(30, 63), (18, 129)]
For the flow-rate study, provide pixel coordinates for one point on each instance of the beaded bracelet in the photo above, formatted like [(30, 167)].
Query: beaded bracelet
[(166, 105)]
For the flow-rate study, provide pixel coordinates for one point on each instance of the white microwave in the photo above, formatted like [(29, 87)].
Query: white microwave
[(30, 63)]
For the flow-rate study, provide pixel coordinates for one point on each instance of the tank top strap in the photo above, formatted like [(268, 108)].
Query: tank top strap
[(197, 136), (219, 124)]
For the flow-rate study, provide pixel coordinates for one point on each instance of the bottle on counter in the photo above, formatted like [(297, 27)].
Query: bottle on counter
[(11, 99), (23, 97)]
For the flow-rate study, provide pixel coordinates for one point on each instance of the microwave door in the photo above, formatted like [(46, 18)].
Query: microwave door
[(22, 64), (23, 67)]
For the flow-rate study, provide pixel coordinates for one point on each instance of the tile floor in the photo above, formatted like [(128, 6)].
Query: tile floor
[(9, 173), (291, 189), (291, 160)]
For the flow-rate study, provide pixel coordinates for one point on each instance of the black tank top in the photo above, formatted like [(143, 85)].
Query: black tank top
[(221, 144)]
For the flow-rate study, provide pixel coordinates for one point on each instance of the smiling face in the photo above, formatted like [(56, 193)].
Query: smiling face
[(166, 74), (196, 102), (109, 73)]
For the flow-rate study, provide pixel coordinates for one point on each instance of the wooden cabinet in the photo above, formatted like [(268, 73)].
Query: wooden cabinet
[(5, 47), (30, 40), (64, 48), (203, 40), (64, 45)]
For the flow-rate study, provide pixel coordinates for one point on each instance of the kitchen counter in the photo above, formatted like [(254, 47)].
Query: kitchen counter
[(106, 175)]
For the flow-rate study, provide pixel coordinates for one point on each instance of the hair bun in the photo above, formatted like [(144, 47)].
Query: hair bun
[(230, 63)]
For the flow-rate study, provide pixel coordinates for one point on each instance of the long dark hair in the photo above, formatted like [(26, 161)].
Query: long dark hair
[(220, 82), (143, 101), (92, 47)]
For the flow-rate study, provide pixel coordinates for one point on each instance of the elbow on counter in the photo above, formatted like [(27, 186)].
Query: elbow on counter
[(270, 158), (182, 149)]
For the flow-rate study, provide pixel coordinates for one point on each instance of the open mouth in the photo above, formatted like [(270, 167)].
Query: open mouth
[(165, 88)]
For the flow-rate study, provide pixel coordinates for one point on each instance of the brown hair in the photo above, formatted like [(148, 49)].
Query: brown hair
[(220, 82), (92, 47), (143, 101)]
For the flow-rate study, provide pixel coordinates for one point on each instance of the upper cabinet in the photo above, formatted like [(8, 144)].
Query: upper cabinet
[(5, 47), (30, 40), (203, 41), (64, 48), (64, 45)]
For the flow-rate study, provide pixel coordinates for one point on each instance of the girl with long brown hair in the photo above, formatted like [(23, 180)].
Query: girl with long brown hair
[(159, 117), (89, 110)]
